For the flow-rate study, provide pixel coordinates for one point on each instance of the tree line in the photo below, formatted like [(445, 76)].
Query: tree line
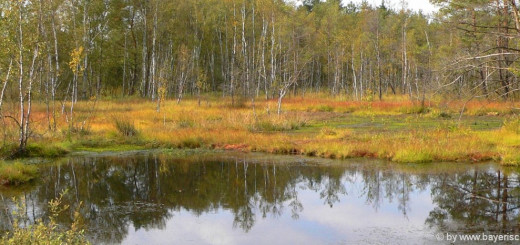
[(59, 52)]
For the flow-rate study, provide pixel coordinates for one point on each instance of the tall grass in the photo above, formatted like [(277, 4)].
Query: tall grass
[(125, 127), (512, 125), (277, 123)]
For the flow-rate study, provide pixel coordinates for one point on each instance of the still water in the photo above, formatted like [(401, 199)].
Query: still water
[(161, 198)]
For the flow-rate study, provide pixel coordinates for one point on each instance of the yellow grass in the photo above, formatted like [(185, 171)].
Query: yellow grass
[(303, 128), (16, 173)]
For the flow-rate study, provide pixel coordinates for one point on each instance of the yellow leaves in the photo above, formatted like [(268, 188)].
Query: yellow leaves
[(161, 92), (201, 80), (75, 60), (369, 96), (514, 70)]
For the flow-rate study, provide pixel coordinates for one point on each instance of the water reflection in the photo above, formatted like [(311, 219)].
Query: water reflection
[(478, 201), (134, 197)]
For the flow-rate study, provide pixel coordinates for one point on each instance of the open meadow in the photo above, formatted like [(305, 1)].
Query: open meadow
[(395, 129)]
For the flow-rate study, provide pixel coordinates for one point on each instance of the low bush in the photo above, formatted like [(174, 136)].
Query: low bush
[(44, 232)]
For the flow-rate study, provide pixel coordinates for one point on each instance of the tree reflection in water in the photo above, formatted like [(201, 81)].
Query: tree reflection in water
[(478, 201), (146, 191)]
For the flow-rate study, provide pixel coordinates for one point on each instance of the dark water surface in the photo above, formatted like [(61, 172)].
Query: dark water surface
[(158, 198)]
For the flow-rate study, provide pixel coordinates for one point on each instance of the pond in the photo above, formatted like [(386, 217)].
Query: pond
[(233, 198)]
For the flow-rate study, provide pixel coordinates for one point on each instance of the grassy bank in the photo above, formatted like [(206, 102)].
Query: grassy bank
[(16, 173), (394, 129)]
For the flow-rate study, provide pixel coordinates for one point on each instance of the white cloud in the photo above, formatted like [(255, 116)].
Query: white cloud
[(350, 221), (361, 224), (424, 5), (217, 228)]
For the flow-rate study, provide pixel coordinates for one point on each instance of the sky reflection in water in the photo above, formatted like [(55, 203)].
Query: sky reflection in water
[(254, 199)]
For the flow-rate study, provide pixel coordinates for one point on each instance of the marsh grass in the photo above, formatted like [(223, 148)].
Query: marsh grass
[(45, 150), (277, 124), (412, 156), (395, 129), (512, 125), (125, 127), (325, 108), (16, 173)]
